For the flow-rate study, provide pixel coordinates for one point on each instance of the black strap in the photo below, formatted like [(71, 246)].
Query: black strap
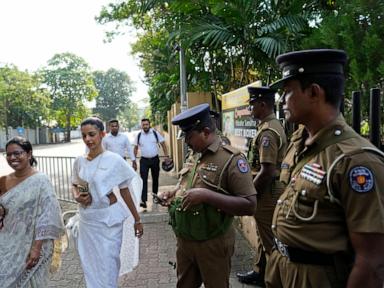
[(154, 132)]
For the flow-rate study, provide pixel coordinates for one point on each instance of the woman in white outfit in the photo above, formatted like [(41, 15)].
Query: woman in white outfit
[(101, 214)]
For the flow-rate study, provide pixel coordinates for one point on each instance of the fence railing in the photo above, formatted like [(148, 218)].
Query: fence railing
[(59, 170)]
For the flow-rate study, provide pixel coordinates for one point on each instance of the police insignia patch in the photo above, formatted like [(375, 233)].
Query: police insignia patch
[(265, 141), (242, 165), (361, 179)]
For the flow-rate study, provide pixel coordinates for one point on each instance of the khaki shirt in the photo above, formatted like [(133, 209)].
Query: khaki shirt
[(271, 141), (356, 181), (236, 179)]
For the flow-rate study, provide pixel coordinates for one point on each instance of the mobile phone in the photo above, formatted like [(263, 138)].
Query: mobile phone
[(158, 199), (83, 189)]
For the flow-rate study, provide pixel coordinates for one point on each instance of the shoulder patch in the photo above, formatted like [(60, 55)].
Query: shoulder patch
[(265, 141), (361, 179), (242, 165)]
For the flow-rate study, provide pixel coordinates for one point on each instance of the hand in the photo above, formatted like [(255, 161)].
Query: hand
[(134, 165), (33, 257), (166, 197), (85, 199), (139, 230), (193, 197)]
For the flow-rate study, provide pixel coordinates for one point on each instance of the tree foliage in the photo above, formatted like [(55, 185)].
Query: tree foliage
[(227, 43), (23, 100), (115, 89), (70, 83), (357, 27), (130, 117)]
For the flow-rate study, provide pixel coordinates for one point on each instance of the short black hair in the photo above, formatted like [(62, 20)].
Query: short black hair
[(333, 85), (93, 121), (24, 144), (113, 121), (145, 119), (270, 101)]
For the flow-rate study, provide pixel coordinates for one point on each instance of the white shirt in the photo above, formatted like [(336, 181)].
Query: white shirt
[(118, 144), (148, 144)]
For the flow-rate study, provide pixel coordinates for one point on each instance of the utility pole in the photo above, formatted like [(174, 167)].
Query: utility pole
[(183, 91), (183, 79)]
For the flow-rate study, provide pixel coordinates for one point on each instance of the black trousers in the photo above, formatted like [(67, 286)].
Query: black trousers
[(145, 165)]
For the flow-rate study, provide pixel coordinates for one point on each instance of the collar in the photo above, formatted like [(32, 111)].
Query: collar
[(214, 146), (266, 119), (334, 128)]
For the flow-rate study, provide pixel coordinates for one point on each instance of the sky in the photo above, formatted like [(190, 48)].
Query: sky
[(32, 31)]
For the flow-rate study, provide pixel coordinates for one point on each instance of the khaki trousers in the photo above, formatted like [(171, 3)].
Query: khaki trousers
[(207, 262), (283, 273)]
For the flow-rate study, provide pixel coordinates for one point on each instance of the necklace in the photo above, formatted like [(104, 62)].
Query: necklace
[(91, 157)]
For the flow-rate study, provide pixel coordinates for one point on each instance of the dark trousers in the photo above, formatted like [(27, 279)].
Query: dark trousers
[(145, 165)]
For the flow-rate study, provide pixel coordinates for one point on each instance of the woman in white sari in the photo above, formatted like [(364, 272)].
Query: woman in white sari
[(101, 214), (30, 220)]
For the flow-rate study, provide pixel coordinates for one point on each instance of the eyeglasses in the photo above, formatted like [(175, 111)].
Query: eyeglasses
[(16, 153), (3, 212)]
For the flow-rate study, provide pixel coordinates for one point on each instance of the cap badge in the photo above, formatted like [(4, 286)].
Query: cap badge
[(301, 70), (286, 73)]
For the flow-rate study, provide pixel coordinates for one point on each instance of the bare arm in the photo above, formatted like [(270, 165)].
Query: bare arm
[(234, 205), (368, 268), (34, 253), (135, 150), (126, 195), (165, 149), (264, 177)]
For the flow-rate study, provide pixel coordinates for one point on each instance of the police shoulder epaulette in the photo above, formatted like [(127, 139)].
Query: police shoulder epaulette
[(230, 149)]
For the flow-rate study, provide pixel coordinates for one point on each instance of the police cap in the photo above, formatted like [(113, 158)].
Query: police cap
[(193, 118), (310, 62), (260, 93)]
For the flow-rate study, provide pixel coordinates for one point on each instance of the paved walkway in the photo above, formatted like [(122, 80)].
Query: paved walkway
[(157, 254)]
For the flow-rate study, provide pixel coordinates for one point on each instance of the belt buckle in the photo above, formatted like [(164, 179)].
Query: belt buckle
[(283, 249)]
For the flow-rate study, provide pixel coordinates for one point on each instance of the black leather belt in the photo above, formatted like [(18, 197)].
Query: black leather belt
[(146, 158), (298, 255)]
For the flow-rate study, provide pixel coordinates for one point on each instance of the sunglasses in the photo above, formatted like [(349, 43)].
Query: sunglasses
[(3, 212)]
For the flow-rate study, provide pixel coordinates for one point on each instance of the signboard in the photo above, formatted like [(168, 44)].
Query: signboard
[(238, 124)]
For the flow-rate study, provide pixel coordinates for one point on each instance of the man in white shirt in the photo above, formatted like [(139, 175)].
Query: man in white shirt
[(118, 143), (148, 139)]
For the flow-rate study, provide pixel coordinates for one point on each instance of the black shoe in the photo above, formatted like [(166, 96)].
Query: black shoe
[(143, 204), (251, 277)]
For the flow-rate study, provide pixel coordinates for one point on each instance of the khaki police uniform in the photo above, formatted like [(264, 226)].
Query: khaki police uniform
[(331, 193), (209, 261)]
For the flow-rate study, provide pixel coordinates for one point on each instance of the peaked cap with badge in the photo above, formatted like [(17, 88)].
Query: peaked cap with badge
[(193, 118), (310, 62), (260, 93)]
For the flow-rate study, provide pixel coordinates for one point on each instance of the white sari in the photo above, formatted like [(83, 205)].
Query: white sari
[(101, 225)]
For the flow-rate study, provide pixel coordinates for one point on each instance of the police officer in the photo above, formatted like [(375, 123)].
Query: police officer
[(268, 148), (329, 222), (201, 210)]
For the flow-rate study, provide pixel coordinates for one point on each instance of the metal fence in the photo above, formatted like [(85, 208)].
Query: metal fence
[(59, 170)]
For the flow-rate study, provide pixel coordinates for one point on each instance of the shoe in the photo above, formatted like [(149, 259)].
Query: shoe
[(251, 277), (143, 204)]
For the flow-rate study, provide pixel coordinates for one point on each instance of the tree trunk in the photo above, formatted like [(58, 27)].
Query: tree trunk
[(68, 129)]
